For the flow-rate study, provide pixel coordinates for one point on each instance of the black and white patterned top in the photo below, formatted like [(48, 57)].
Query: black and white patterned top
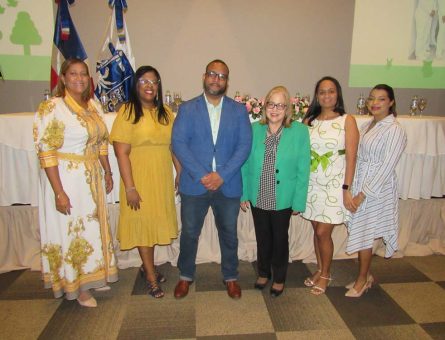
[(266, 198)]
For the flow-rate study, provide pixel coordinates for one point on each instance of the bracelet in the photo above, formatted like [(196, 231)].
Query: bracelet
[(58, 195), (127, 190), (108, 173)]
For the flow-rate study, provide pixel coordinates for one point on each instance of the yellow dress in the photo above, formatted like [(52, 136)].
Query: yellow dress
[(151, 162)]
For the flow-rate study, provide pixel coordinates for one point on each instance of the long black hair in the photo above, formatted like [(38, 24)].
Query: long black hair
[(315, 109), (134, 103)]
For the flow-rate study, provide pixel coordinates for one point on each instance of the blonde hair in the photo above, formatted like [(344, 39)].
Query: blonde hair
[(60, 89), (287, 114)]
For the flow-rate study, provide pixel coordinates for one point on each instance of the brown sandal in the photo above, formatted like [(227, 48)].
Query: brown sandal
[(159, 277), (154, 290)]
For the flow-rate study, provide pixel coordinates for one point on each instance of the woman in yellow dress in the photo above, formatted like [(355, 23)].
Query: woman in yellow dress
[(71, 140), (141, 137)]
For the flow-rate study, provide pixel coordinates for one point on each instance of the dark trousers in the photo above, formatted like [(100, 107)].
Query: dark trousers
[(272, 237)]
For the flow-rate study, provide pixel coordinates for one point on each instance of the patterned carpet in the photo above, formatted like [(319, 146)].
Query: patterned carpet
[(408, 302)]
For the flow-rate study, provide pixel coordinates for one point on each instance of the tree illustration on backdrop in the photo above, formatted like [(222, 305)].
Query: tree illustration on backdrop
[(25, 33), (12, 3)]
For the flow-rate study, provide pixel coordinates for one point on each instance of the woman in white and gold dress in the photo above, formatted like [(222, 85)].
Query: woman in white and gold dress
[(71, 140)]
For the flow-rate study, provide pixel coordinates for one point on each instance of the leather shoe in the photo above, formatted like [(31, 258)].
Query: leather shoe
[(182, 288), (233, 289), (259, 286), (276, 292)]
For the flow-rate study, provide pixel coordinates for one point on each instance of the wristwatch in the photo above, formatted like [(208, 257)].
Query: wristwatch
[(345, 187)]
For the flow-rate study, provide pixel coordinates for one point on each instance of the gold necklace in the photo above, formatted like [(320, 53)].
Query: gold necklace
[(73, 112)]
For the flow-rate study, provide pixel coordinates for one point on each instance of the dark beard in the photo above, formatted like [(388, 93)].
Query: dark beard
[(220, 92)]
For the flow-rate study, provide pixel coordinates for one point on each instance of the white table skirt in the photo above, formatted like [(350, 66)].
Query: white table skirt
[(421, 233), (421, 170)]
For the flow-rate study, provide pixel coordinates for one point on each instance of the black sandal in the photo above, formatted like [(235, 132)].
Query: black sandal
[(159, 277), (154, 290)]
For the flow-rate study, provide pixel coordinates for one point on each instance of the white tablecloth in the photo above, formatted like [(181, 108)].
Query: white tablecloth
[(19, 166), (421, 233), (421, 170)]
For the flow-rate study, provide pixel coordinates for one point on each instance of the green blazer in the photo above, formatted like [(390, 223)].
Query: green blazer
[(292, 166)]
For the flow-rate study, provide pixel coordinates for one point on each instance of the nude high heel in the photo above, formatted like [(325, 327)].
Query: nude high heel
[(308, 282), (351, 284), (317, 290), (356, 294), (91, 302)]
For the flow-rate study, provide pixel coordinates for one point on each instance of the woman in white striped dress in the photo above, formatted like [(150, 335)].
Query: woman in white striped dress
[(382, 142)]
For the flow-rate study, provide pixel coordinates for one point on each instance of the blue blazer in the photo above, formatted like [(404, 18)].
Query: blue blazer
[(193, 145)]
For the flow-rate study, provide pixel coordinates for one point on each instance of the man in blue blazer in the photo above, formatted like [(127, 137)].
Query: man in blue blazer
[(211, 138)]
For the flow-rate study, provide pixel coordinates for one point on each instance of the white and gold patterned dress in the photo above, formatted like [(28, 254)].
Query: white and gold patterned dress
[(76, 250), (325, 194)]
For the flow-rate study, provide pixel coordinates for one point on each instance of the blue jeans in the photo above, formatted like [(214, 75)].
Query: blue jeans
[(193, 211)]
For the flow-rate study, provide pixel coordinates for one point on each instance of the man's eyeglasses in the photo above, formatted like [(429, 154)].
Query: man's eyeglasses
[(213, 75), (148, 81), (279, 106)]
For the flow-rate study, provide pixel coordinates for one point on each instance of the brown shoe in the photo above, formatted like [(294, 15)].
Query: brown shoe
[(233, 289), (182, 288)]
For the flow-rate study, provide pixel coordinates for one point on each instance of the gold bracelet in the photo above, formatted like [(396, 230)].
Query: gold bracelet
[(108, 173), (127, 190)]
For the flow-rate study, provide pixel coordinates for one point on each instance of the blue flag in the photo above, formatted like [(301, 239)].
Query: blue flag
[(114, 79), (115, 72)]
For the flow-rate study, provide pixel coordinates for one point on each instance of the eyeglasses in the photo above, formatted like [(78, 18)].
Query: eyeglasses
[(279, 106), (148, 81), (213, 75)]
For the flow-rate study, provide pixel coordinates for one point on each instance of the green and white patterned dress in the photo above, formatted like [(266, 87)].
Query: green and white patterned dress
[(325, 194)]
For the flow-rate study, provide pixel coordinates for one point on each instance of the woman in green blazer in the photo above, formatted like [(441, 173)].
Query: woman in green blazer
[(275, 183)]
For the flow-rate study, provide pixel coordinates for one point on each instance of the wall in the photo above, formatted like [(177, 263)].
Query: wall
[(265, 43)]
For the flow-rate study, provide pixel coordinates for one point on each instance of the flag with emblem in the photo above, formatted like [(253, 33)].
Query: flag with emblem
[(115, 65)]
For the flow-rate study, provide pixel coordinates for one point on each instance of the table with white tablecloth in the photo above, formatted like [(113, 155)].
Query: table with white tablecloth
[(19, 166), (421, 170), (421, 174)]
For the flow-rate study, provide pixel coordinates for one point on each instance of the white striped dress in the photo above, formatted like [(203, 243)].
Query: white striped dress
[(378, 216)]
